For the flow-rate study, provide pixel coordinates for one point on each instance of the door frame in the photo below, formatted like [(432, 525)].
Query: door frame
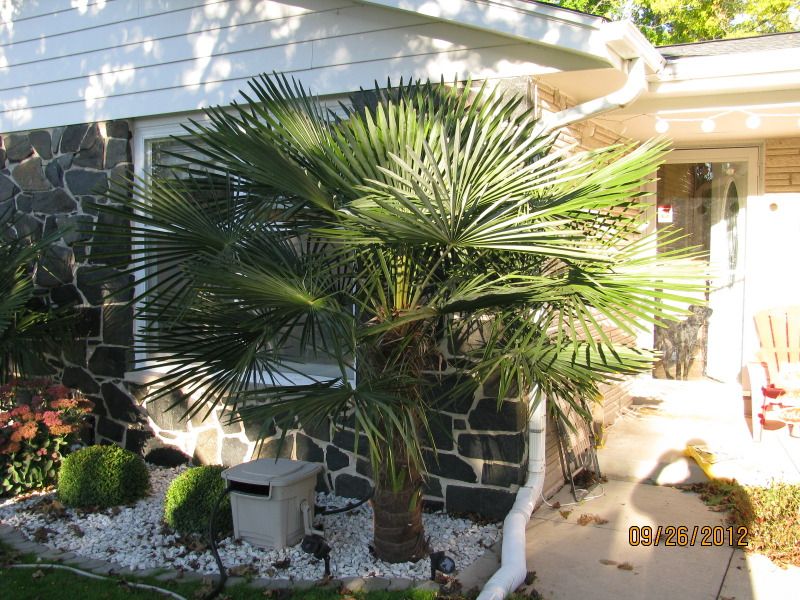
[(752, 155)]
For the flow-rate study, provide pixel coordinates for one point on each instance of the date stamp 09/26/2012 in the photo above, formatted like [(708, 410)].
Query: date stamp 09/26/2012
[(688, 535)]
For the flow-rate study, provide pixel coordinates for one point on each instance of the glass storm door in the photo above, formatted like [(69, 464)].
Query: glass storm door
[(704, 194)]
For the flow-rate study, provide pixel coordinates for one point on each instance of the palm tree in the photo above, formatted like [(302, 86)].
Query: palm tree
[(367, 236), (29, 328)]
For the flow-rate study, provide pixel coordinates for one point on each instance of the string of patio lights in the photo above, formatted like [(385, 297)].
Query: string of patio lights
[(709, 124)]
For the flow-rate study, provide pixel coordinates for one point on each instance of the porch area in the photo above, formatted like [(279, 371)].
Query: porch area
[(642, 455), (647, 442)]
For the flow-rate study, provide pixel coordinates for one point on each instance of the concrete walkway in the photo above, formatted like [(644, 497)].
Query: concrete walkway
[(597, 561), (647, 443)]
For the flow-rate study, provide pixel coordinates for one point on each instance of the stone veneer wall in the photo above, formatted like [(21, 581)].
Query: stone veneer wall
[(480, 458), (51, 178)]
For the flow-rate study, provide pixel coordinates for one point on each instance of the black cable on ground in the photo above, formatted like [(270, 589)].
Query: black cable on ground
[(212, 536), (322, 511)]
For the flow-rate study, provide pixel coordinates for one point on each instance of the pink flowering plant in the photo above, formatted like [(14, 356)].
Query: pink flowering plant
[(38, 420)]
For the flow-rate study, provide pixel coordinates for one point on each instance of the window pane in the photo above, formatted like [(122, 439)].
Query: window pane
[(162, 164)]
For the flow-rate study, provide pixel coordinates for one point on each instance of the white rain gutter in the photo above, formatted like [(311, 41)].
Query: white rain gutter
[(640, 56), (513, 569)]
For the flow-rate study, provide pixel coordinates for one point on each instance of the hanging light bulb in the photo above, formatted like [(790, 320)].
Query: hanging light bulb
[(753, 122), (662, 126), (708, 125)]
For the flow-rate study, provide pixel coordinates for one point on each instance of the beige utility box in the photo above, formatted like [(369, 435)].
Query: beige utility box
[(266, 499)]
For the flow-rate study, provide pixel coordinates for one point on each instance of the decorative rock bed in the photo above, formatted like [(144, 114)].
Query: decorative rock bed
[(135, 537)]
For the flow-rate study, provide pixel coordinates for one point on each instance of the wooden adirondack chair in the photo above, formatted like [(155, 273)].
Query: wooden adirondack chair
[(775, 380)]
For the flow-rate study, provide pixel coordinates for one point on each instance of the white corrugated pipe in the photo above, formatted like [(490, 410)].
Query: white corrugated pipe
[(513, 567)]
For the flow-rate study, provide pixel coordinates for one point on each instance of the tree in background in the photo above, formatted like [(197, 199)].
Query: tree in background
[(666, 22)]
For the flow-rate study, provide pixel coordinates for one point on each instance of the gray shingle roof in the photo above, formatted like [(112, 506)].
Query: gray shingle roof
[(774, 41)]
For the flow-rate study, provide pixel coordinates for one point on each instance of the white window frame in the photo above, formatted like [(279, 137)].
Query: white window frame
[(145, 133)]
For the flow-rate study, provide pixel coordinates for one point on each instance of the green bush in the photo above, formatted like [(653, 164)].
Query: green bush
[(190, 500), (38, 421), (771, 515), (102, 476)]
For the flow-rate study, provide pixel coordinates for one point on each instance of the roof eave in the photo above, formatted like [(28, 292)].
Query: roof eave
[(533, 23)]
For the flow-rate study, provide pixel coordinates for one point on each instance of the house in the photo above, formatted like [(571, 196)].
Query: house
[(93, 89)]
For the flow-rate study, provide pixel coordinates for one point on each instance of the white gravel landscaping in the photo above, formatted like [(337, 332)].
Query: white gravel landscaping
[(136, 537)]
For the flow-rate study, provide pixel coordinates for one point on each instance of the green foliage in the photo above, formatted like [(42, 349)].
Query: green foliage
[(666, 22), (373, 237), (102, 476), (37, 421), (770, 514), (191, 498), (28, 327)]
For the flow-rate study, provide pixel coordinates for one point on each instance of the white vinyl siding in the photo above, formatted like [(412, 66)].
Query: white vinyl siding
[(135, 58)]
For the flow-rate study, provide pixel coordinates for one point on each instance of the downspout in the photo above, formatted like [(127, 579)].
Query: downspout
[(634, 87), (513, 567)]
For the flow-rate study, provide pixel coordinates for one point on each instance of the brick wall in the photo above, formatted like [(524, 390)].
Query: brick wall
[(782, 173)]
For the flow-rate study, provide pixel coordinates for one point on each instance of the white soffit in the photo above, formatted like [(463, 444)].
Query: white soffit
[(531, 22), (741, 72), (736, 96), (582, 86)]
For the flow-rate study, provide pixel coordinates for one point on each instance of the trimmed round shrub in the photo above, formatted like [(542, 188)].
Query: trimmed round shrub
[(102, 476), (191, 498)]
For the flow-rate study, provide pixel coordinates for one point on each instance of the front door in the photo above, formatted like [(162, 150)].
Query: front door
[(704, 194)]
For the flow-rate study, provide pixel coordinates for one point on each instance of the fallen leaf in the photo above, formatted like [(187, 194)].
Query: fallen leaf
[(246, 570), (41, 534), (585, 519), (626, 566), (565, 513)]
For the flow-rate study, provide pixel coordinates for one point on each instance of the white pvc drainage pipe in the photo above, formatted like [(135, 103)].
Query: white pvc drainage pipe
[(513, 567)]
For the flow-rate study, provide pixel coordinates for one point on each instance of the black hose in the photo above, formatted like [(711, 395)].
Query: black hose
[(322, 511), (212, 536)]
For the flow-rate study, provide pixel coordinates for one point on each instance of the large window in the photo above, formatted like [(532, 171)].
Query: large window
[(153, 142)]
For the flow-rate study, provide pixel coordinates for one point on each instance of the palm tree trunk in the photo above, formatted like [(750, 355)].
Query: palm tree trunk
[(399, 536)]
